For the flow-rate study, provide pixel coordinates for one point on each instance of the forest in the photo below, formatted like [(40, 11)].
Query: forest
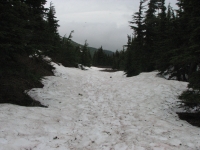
[(166, 40), (163, 39)]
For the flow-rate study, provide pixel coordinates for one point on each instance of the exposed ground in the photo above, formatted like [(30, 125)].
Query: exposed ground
[(20, 74)]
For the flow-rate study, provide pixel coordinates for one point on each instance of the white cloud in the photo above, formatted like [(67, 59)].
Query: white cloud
[(101, 22)]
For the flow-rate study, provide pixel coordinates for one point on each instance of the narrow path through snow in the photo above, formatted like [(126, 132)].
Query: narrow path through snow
[(89, 110)]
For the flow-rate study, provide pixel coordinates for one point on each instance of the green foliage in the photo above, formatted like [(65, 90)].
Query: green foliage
[(168, 43), (51, 19), (23, 32), (92, 50), (140, 51), (29, 29), (132, 58), (194, 81), (190, 98), (66, 53), (85, 55), (102, 59), (119, 60)]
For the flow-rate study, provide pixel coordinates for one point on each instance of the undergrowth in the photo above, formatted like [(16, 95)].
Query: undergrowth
[(19, 74)]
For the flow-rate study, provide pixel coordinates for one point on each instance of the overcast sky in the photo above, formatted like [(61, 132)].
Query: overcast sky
[(100, 22)]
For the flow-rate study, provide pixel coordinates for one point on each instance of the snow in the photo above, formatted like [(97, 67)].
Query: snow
[(88, 110)]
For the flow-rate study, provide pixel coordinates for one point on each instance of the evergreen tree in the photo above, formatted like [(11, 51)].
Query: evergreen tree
[(51, 19), (37, 26), (12, 27), (128, 57), (85, 55), (21, 23), (190, 56), (130, 62), (166, 42), (144, 41), (94, 59), (19, 20), (119, 60), (161, 46), (138, 24), (134, 51), (151, 23), (53, 36), (101, 59), (116, 56), (66, 53)]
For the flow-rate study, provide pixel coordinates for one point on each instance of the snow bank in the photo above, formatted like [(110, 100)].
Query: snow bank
[(89, 110)]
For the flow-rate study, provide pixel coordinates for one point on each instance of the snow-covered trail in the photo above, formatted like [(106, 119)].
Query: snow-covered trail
[(93, 110)]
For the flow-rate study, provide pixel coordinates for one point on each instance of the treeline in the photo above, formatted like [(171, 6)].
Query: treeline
[(26, 28), (101, 59), (115, 61), (166, 40), (28, 32), (163, 39)]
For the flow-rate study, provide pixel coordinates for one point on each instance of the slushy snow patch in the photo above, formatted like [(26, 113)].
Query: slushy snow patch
[(89, 110)]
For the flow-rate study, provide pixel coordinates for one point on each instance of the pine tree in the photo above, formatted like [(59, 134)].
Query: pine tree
[(13, 27), (151, 23), (191, 53), (138, 24), (161, 47), (53, 38), (166, 42), (116, 58), (129, 61), (85, 55), (144, 41), (94, 59), (134, 51), (37, 26), (21, 21), (119, 60), (67, 54), (101, 59), (51, 19)]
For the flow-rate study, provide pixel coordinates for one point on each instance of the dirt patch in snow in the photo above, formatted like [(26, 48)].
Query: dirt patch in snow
[(192, 118), (19, 75), (109, 70)]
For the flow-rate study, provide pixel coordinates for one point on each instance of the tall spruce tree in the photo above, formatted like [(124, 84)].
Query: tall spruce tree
[(138, 24), (53, 37), (134, 51), (67, 53), (85, 55), (190, 56), (166, 42), (151, 23), (51, 19), (128, 68), (20, 22), (119, 60), (36, 25), (13, 36), (160, 48), (101, 59)]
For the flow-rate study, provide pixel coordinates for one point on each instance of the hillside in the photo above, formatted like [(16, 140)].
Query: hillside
[(92, 49), (90, 110)]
